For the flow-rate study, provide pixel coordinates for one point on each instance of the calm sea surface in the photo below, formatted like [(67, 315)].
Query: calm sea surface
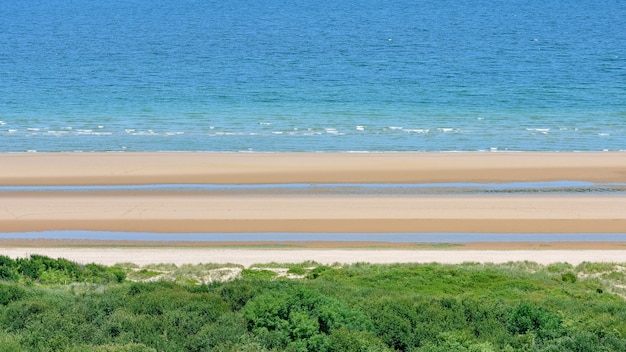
[(135, 75)]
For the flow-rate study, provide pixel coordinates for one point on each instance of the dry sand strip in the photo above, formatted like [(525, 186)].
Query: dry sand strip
[(247, 257), (170, 212), (238, 168)]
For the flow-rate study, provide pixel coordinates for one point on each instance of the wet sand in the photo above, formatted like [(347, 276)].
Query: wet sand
[(238, 168), (156, 211)]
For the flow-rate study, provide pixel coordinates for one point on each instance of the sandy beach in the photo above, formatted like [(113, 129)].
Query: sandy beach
[(194, 213), (247, 257), (232, 168), (167, 211)]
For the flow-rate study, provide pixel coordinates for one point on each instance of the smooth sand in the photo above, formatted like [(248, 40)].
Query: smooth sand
[(220, 168), (195, 213), (247, 257), (186, 212)]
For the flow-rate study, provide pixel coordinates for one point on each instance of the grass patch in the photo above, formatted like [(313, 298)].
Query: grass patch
[(258, 274), (143, 274)]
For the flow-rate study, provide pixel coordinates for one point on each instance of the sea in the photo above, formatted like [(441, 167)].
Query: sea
[(312, 76)]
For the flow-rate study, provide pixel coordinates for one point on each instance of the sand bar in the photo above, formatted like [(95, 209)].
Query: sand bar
[(156, 212), (239, 168)]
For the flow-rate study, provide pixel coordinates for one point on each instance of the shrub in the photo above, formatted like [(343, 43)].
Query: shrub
[(559, 267), (28, 268), (296, 270), (236, 293), (130, 347), (568, 277), (10, 293), (230, 328), (10, 343), (317, 271), (528, 317), (8, 273), (356, 341), (8, 269)]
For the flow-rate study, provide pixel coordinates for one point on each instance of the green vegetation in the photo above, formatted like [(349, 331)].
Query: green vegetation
[(56, 305)]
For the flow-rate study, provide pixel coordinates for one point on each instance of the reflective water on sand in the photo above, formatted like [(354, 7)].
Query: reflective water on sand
[(323, 237)]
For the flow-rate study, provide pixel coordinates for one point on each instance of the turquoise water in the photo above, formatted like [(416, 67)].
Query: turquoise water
[(80, 75)]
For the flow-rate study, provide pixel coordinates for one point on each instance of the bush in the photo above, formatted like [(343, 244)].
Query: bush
[(10, 343), (296, 270), (130, 347), (317, 271), (568, 277), (10, 293), (236, 293), (363, 307), (8, 274), (528, 317), (47, 270), (230, 328), (347, 340), (8, 269), (559, 267)]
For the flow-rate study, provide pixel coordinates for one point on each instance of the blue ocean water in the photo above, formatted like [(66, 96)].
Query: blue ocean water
[(193, 75)]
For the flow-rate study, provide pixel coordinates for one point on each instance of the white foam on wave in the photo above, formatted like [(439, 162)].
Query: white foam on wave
[(57, 133), (360, 128), (544, 131), (417, 130), (2, 123)]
